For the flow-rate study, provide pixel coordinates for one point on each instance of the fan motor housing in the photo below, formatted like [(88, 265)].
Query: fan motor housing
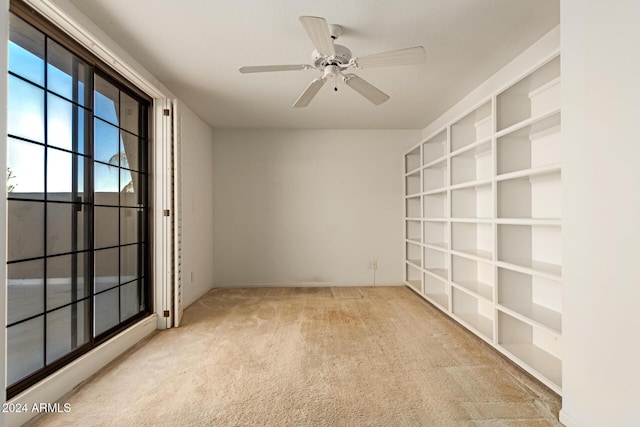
[(342, 57)]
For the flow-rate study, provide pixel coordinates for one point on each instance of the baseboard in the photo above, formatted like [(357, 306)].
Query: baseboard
[(55, 386), (568, 420), (300, 285)]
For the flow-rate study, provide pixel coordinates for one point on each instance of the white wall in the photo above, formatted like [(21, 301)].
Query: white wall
[(601, 212), (296, 207), (197, 206)]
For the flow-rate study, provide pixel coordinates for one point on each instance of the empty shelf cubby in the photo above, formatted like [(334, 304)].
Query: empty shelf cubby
[(436, 262), (472, 239), (535, 247), (435, 205), (476, 313), (436, 234), (472, 165), (535, 347), (413, 230), (435, 176), (535, 197), (534, 95), (530, 147), (413, 277), (474, 276), (434, 148), (472, 202), (412, 160), (536, 298), (437, 290), (413, 208), (472, 128)]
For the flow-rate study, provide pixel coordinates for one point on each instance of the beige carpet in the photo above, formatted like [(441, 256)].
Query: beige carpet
[(311, 357)]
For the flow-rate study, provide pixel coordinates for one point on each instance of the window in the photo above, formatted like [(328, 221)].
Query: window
[(77, 205)]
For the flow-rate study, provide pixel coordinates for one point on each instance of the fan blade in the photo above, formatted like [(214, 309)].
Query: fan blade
[(305, 98), (268, 68), (365, 89), (408, 56), (318, 31)]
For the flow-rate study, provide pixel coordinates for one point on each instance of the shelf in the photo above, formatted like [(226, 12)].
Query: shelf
[(415, 284), (413, 277), (532, 197), (473, 239), (472, 165), (535, 347), (472, 202), (436, 261), (535, 298), (435, 205), (535, 145), (537, 247), (412, 183), (413, 254), (412, 160), (436, 234), (439, 246), (436, 290), (545, 98), (478, 314), (473, 275), (434, 148), (435, 176), (440, 272), (473, 127), (413, 208), (533, 95), (413, 231), (490, 234)]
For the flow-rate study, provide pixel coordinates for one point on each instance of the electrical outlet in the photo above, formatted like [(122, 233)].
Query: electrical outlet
[(373, 265), (192, 277)]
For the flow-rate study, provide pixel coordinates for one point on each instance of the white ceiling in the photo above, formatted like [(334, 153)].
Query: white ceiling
[(195, 48)]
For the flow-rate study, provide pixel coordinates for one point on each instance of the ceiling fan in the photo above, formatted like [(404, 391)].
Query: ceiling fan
[(332, 59)]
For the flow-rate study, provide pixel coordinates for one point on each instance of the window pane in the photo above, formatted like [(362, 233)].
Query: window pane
[(62, 118), (26, 51), (130, 194), (25, 115), (25, 229), (25, 290), (131, 147), (61, 271), (106, 269), (129, 300), (67, 329), (64, 221), (106, 311), (106, 184), (25, 169), (105, 227), (129, 263), (129, 113), (25, 349), (59, 175), (130, 219), (67, 75), (105, 100), (106, 147)]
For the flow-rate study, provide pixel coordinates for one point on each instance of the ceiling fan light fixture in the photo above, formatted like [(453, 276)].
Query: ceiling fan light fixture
[(331, 59)]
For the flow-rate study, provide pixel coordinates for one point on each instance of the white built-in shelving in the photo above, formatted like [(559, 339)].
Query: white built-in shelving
[(483, 210)]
